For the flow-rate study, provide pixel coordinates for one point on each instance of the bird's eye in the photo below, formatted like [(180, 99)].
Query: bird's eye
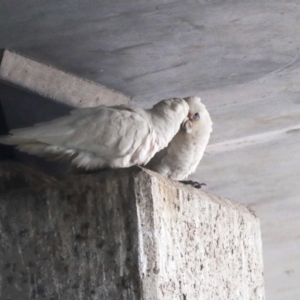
[(196, 117)]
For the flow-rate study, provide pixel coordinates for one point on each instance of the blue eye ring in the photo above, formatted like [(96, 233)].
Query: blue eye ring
[(196, 117)]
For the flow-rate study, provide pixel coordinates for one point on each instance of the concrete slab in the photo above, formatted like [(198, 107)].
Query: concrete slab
[(55, 84)]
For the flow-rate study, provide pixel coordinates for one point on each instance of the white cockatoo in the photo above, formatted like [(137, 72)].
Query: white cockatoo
[(104, 136), (186, 149)]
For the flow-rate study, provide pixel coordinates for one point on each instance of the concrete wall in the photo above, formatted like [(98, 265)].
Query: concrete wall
[(126, 234)]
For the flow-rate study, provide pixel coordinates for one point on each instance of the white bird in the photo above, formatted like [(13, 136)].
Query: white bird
[(186, 149), (101, 137)]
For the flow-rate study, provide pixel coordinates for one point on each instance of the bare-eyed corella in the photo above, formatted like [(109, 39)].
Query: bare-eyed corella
[(183, 154), (104, 136)]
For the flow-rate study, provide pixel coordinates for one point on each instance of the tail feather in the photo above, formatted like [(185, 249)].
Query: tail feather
[(36, 132), (13, 140), (48, 151), (36, 149)]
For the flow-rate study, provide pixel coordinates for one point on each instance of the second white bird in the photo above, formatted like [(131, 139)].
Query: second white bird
[(186, 149)]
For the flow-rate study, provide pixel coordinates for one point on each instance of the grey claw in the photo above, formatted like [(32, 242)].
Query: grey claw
[(194, 184)]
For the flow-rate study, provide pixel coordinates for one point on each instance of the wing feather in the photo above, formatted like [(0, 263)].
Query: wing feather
[(105, 132)]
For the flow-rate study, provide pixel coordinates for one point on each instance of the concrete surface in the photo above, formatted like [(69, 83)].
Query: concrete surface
[(55, 84), (241, 57), (127, 234), (15, 176)]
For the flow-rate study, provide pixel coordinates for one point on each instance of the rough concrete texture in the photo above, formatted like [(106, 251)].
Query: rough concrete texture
[(75, 241), (16, 176), (56, 84), (127, 234)]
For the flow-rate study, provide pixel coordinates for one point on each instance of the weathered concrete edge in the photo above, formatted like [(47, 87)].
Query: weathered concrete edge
[(147, 176), (56, 84), (145, 182), (147, 254), (151, 282), (214, 198)]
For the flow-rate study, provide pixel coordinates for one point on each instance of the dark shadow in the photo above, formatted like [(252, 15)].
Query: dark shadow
[(22, 108), (1, 55), (6, 152)]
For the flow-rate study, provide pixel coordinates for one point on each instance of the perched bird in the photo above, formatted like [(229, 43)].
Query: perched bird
[(104, 136), (186, 149)]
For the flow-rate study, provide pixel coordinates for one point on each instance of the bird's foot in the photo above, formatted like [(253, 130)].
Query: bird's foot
[(194, 184)]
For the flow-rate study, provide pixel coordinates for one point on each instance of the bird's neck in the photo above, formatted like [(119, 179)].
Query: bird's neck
[(163, 125)]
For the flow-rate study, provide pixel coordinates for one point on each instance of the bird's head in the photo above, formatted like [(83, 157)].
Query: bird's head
[(198, 116), (178, 106)]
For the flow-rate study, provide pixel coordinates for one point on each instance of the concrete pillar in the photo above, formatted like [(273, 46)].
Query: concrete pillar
[(127, 234)]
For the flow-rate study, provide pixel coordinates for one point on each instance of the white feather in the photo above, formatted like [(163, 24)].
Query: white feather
[(116, 136), (186, 149)]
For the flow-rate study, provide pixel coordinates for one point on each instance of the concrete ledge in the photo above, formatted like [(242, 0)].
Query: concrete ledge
[(56, 84), (127, 234), (14, 176)]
